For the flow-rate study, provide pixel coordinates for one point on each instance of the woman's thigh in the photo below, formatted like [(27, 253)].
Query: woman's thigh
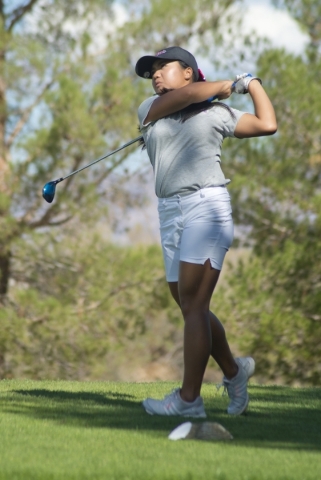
[(196, 285)]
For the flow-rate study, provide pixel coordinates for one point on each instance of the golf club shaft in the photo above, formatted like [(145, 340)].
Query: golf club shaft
[(111, 153), (102, 158), (115, 151)]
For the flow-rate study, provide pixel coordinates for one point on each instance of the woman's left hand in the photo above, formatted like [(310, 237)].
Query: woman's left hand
[(242, 82)]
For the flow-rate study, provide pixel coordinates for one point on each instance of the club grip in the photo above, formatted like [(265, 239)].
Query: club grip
[(216, 96)]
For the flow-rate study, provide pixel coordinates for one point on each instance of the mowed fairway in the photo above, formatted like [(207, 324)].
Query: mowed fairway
[(99, 430)]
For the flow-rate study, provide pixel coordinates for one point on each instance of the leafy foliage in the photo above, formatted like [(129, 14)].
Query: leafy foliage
[(79, 305), (76, 303), (276, 194), (68, 91)]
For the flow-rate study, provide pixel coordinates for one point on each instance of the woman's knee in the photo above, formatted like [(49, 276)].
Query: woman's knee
[(194, 307)]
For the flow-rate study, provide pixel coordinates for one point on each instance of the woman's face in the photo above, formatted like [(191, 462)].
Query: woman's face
[(168, 75)]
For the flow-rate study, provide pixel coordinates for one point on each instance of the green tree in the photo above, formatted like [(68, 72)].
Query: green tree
[(62, 102), (85, 311), (47, 122), (276, 300)]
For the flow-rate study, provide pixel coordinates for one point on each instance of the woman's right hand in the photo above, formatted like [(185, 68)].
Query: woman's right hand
[(226, 90)]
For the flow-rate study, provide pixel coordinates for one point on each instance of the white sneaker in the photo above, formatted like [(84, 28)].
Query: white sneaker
[(173, 404), (248, 364), (237, 386)]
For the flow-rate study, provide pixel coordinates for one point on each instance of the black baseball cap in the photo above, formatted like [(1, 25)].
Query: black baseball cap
[(144, 65)]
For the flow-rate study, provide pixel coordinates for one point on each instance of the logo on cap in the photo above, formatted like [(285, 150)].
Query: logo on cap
[(159, 53), (146, 75)]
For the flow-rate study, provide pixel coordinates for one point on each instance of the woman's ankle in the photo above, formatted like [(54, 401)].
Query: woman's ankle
[(189, 396)]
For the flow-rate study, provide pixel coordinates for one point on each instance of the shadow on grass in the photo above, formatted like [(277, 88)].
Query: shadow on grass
[(279, 417)]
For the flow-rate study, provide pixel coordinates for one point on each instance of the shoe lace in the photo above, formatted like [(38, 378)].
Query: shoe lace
[(222, 385), (171, 394)]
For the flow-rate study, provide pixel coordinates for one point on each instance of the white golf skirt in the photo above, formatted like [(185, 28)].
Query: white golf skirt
[(195, 228)]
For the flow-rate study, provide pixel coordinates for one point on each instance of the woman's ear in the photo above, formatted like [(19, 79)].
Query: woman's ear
[(188, 73)]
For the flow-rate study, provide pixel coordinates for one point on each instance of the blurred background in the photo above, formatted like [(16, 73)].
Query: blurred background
[(82, 288)]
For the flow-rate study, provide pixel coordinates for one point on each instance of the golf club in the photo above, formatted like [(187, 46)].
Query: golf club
[(49, 190)]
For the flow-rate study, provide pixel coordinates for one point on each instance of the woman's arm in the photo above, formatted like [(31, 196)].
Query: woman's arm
[(175, 100), (263, 121)]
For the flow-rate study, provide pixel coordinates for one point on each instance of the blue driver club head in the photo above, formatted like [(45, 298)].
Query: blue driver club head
[(49, 190)]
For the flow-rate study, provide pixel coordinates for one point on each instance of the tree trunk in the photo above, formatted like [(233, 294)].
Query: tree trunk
[(5, 257)]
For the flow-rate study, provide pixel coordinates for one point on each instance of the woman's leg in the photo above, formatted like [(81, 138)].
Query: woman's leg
[(195, 287), (204, 334), (220, 348)]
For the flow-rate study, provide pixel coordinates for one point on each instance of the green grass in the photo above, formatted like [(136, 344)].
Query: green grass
[(98, 430)]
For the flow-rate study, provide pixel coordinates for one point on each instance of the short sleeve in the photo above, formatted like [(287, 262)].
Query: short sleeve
[(229, 120), (143, 110)]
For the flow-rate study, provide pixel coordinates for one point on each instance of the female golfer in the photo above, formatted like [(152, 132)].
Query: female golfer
[(183, 132)]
